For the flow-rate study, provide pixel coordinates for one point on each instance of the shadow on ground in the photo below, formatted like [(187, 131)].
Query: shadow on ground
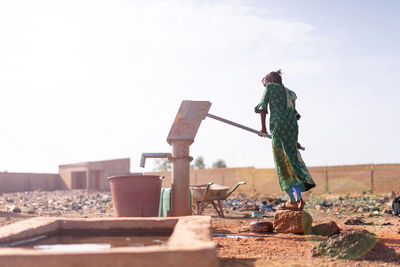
[(14, 215), (380, 252), (233, 262)]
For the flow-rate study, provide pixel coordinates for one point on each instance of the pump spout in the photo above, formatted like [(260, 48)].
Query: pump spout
[(153, 155)]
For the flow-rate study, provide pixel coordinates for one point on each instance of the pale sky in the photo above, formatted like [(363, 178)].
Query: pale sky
[(95, 80)]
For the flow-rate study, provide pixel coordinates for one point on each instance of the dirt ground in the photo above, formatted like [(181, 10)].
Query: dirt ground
[(272, 249), (277, 249)]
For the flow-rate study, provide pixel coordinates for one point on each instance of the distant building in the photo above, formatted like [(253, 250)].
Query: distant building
[(93, 175), (90, 175)]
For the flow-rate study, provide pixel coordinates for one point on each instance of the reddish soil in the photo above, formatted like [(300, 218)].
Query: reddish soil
[(274, 249), (277, 249)]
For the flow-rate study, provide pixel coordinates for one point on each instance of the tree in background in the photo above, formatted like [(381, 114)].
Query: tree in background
[(220, 163), (198, 163), (162, 165)]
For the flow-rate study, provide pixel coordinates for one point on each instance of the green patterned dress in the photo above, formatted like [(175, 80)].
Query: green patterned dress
[(289, 165)]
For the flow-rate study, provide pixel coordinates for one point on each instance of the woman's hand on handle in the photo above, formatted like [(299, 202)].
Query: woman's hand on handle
[(300, 147), (263, 131)]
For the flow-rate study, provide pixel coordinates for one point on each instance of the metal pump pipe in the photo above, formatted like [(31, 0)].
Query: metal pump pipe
[(180, 179), (243, 127), (238, 125), (153, 155)]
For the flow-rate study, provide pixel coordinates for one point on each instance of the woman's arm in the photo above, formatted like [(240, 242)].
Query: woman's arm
[(262, 108), (263, 116)]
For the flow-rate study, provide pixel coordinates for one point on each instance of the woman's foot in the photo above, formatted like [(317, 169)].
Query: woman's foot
[(288, 206), (300, 204)]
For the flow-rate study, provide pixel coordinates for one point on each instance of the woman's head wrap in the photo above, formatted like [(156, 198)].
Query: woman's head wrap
[(273, 77)]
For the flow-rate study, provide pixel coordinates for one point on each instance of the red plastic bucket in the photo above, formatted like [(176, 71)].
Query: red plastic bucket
[(135, 195)]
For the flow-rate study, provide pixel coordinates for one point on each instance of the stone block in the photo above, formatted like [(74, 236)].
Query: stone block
[(261, 227), (291, 221), (326, 229)]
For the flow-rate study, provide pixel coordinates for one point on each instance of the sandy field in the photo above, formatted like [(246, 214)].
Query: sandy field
[(249, 249)]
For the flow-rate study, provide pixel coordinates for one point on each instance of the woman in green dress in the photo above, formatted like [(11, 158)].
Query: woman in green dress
[(293, 174)]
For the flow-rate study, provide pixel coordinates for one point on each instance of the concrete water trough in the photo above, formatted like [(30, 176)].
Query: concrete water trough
[(117, 242)]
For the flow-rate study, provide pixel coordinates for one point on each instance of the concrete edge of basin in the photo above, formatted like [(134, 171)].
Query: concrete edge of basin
[(190, 243)]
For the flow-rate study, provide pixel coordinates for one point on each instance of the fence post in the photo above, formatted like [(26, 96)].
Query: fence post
[(253, 178), (326, 180), (372, 177)]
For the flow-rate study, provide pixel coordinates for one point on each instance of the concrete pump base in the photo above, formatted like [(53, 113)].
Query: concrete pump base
[(189, 244)]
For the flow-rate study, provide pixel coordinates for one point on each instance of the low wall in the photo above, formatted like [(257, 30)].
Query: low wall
[(19, 182), (378, 178)]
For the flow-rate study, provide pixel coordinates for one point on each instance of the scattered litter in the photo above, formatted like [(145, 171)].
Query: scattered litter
[(356, 221), (257, 213), (396, 206), (235, 236), (16, 210), (249, 207), (57, 203)]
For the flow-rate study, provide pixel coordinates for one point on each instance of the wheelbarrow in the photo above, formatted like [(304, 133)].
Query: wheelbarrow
[(211, 193)]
